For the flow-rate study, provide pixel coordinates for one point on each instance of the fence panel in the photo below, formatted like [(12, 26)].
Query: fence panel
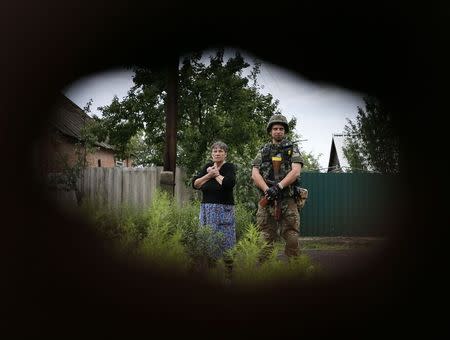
[(348, 204), (113, 187), (339, 204)]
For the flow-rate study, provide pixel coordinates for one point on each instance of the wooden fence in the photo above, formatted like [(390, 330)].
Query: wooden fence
[(338, 204), (113, 187)]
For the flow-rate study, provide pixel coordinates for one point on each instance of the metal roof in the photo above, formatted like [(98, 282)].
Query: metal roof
[(69, 119)]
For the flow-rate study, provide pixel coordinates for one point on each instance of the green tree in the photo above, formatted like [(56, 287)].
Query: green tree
[(310, 162), (353, 153), (372, 141), (216, 102)]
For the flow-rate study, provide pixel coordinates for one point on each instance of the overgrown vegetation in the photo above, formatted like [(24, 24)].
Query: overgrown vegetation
[(169, 236), (72, 173)]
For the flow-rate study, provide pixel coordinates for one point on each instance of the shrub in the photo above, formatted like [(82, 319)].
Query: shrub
[(169, 236)]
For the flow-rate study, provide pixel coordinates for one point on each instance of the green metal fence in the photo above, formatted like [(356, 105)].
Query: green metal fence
[(347, 204)]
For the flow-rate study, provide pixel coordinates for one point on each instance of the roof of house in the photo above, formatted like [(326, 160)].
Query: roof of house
[(337, 160), (69, 119)]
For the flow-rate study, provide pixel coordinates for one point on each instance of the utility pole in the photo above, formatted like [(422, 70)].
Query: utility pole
[(170, 152)]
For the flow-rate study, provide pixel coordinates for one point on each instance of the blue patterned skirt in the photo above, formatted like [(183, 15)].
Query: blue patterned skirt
[(221, 218)]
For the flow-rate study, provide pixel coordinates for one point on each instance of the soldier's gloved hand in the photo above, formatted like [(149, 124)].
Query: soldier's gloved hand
[(273, 192)]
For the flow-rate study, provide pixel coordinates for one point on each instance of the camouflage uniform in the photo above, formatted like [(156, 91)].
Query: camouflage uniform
[(289, 224)]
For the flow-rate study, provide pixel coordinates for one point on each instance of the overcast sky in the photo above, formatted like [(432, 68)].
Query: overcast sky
[(320, 109)]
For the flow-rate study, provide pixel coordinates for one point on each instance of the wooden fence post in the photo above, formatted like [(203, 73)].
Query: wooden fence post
[(167, 182)]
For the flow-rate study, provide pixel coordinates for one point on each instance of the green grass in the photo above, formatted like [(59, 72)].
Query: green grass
[(169, 236), (317, 245)]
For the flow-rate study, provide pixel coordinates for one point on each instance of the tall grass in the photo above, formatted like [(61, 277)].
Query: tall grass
[(248, 270), (169, 236)]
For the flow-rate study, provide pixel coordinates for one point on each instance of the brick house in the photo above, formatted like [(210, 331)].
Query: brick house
[(59, 146)]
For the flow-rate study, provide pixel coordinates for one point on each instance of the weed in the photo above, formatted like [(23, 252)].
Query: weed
[(169, 236)]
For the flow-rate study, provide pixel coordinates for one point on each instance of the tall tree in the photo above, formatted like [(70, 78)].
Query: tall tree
[(372, 141), (216, 102)]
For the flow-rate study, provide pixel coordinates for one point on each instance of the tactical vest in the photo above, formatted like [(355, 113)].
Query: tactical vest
[(283, 150)]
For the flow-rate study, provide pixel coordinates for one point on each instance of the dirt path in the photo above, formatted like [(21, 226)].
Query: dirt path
[(344, 262)]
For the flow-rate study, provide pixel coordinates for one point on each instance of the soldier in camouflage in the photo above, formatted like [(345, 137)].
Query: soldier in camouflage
[(280, 189)]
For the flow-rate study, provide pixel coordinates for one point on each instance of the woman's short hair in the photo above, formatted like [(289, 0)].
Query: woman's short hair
[(221, 145)]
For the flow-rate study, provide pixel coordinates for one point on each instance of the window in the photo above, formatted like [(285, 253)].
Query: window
[(99, 163)]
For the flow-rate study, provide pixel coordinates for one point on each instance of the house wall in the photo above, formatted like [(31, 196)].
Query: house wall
[(106, 158), (56, 151)]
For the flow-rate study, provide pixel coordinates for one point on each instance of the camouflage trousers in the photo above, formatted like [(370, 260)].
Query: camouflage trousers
[(288, 226)]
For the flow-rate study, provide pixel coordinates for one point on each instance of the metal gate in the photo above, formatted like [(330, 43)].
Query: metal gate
[(348, 204)]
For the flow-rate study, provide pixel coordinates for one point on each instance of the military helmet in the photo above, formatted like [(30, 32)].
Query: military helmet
[(278, 119)]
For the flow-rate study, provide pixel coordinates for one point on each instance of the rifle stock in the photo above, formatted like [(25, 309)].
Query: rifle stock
[(264, 201), (276, 163), (277, 207)]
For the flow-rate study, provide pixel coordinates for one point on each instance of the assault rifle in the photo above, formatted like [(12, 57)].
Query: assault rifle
[(276, 163)]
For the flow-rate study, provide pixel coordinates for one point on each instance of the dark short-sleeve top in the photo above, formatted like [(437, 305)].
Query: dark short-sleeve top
[(212, 191)]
